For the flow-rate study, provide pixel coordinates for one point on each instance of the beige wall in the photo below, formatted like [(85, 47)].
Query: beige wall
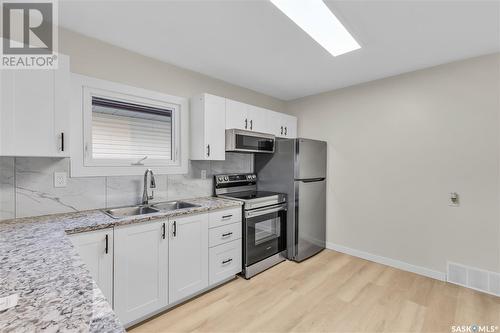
[(104, 61), (398, 147)]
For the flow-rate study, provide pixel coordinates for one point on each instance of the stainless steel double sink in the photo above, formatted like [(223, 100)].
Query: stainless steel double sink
[(146, 209)]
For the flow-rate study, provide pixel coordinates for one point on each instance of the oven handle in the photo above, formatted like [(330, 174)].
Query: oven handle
[(265, 210)]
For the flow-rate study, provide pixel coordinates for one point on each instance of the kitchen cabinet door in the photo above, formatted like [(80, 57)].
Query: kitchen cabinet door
[(290, 126), (236, 115), (283, 125), (257, 118), (275, 123), (225, 261), (141, 270), (188, 256), (208, 127), (96, 250), (34, 111)]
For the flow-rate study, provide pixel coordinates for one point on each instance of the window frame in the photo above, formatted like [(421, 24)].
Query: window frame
[(82, 163), (90, 92)]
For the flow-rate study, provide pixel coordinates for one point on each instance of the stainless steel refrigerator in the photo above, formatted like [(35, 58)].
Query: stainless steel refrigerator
[(298, 168)]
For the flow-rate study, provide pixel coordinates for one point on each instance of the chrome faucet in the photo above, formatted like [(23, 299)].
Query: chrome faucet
[(152, 184)]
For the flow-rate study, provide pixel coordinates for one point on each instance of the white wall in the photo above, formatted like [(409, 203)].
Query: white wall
[(398, 147), (101, 60)]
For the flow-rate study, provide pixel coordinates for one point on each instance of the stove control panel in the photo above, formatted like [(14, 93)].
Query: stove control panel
[(235, 179)]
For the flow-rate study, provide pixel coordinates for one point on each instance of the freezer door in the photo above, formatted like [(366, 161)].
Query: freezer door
[(310, 160), (310, 218)]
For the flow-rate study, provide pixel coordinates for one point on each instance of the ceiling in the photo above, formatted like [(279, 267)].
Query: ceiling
[(254, 45)]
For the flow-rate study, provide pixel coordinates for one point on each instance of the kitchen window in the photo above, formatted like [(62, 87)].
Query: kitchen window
[(129, 134), (126, 130)]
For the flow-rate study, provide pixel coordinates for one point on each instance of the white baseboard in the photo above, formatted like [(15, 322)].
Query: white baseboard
[(388, 261)]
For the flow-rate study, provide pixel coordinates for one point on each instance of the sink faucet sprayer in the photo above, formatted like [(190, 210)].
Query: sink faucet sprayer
[(152, 184)]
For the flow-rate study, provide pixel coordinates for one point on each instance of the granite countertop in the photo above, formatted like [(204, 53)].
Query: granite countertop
[(56, 292)]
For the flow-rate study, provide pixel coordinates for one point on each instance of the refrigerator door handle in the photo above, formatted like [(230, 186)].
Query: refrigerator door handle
[(311, 180)]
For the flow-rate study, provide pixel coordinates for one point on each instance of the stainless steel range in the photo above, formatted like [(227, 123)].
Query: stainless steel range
[(264, 221)]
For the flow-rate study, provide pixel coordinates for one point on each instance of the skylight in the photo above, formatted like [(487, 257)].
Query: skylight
[(315, 18)]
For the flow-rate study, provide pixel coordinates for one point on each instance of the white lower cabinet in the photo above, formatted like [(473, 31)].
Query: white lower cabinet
[(159, 263), (223, 217), (225, 261), (96, 250), (188, 256), (225, 254), (224, 234), (141, 270)]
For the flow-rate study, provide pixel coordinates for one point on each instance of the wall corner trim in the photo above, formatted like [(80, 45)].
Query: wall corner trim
[(388, 261)]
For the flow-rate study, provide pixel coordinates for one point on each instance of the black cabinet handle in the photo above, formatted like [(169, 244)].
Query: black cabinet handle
[(163, 231), (285, 130), (106, 242), (226, 261), (174, 232), (62, 141), (281, 130), (251, 124), (246, 123), (227, 216), (208, 150), (227, 234)]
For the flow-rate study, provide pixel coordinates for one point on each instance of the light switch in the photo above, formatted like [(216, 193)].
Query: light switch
[(60, 179), (454, 199), (203, 174)]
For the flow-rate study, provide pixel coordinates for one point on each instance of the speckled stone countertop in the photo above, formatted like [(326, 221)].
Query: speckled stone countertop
[(56, 292)]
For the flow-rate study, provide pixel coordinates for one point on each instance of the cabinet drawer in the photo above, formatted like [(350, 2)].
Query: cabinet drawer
[(224, 234), (225, 261), (223, 217)]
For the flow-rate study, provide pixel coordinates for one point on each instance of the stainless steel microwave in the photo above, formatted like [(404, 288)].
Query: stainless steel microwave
[(249, 142)]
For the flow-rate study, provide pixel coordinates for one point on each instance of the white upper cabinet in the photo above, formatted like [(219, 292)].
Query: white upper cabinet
[(34, 111), (236, 115), (282, 125), (257, 119), (212, 115), (289, 126), (208, 124), (188, 256), (253, 118), (245, 117), (274, 123)]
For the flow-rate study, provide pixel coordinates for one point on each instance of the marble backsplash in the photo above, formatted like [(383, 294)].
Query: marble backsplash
[(27, 185)]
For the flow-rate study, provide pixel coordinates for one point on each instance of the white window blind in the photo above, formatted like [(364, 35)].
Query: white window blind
[(123, 130)]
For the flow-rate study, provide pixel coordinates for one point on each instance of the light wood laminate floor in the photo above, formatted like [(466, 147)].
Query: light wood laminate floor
[(331, 292)]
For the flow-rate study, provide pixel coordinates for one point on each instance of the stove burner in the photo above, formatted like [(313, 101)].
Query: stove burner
[(248, 195), (243, 187)]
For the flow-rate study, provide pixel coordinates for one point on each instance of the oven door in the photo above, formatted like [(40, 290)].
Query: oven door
[(265, 233), (247, 141)]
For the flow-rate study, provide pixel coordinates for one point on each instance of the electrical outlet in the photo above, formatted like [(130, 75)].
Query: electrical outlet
[(203, 174), (60, 179)]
